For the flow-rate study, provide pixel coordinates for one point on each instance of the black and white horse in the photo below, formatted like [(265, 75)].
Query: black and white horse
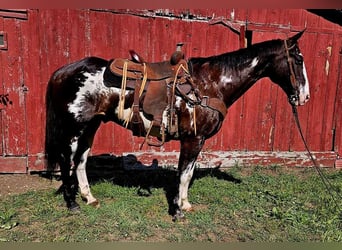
[(78, 99)]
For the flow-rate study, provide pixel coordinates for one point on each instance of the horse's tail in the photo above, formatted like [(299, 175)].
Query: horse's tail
[(52, 130)]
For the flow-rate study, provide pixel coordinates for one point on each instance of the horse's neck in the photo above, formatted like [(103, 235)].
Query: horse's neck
[(235, 81)]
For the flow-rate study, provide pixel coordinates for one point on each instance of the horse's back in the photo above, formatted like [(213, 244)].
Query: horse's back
[(72, 70)]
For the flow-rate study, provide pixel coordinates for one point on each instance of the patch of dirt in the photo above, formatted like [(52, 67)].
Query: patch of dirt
[(22, 183)]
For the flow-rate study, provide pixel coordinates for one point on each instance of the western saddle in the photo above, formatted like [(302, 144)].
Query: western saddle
[(155, 88), (154, 92)]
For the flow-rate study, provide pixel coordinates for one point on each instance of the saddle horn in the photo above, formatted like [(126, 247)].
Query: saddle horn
[(135, 57), (177, 55)]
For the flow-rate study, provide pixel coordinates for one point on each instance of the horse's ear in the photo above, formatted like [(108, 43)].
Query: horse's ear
[(292, 40)]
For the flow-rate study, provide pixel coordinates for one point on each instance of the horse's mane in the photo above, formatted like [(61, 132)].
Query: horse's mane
[(234, 58)]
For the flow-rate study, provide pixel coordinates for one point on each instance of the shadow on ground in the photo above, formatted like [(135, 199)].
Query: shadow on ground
[(129, 172)]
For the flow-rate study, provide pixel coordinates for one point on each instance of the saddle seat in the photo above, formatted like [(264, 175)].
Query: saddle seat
[(155, 71)]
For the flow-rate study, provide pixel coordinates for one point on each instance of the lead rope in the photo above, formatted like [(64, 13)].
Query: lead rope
[(324, 179)]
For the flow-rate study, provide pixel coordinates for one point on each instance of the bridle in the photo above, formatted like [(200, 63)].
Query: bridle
[(292, 99), (295, 97)]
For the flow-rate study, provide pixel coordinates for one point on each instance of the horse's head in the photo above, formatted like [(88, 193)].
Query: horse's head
[(290, 71)]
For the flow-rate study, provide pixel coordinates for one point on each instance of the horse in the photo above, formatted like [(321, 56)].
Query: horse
[(79, 99)]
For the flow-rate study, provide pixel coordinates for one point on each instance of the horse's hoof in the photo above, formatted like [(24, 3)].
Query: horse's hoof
[(188, 209), (95, 203), (74, 207), (179, 216)]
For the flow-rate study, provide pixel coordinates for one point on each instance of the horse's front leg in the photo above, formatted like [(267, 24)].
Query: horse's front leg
[(190, 148), (69, 190)]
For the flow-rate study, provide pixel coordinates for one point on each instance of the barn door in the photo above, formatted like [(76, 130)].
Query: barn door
[(337, 142), (262, 125), (273, 124), (13, 144)]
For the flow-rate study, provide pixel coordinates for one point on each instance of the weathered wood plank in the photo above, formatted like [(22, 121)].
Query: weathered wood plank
[(16, 165), (228, 159), (13, 116)]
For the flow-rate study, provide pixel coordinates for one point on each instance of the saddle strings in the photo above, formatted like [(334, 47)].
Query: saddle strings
[(174, 90), (143, 81), (141, 90), (123, 91)]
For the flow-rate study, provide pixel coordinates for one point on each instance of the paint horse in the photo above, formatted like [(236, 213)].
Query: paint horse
[(78, 99)]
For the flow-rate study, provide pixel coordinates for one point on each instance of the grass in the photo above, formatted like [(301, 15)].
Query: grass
[(270, 204)]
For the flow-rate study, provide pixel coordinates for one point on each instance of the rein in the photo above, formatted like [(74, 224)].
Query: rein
[(292, 100), (324, 179)]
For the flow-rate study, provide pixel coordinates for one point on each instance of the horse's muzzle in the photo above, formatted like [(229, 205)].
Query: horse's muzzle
[(299, 100), (303, 99)]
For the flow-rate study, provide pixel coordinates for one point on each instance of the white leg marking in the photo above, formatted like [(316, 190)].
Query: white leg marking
[(185, 179), (83, 180), (73, 146)]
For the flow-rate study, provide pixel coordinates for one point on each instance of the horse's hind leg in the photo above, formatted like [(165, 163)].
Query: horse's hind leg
[(69, 189), (81, 148)]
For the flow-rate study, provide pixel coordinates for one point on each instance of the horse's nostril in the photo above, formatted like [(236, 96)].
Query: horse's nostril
[(307, 97)]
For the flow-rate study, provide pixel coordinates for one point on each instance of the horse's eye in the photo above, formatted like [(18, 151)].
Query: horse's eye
[(298, 59), (299, 62)]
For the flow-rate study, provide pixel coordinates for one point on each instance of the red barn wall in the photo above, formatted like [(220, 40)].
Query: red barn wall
[(259, 127)]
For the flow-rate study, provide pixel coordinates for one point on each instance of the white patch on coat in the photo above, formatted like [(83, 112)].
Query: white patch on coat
[(190, 109), (191, 113), (80, 108), (165, 119), (147, 123), (254, 62), (73, 146), (93, 85), (224, 79), (178, 102), (126, 113), (304, 90)]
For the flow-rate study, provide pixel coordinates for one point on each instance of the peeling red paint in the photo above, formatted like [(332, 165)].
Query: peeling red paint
[(227, 159)]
